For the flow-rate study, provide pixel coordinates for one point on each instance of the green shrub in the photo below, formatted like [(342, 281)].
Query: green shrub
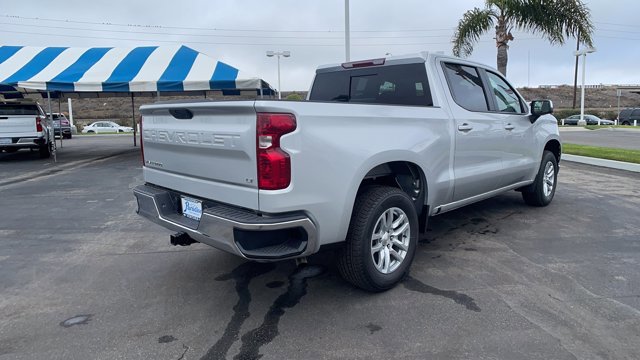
[(294, 97)]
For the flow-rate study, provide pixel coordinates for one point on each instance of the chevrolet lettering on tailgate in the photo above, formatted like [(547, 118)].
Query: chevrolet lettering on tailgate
[(191, 137)]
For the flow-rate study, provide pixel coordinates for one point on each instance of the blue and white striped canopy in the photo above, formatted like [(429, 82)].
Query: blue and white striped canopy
[(104, 69)]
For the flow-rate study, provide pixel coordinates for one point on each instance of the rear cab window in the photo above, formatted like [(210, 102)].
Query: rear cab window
[(404, 84), (19, 109)]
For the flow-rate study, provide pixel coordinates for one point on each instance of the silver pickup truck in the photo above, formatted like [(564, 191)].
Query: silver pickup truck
[(377, 148)]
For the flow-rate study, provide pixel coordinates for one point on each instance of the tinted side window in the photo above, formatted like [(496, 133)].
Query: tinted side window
[(635, 114), (506, 98), (625, 113), (466, 87), (394, 84)]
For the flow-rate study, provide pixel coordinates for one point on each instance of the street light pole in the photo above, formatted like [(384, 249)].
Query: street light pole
[(278, 54), (583, 53), (347, 36)]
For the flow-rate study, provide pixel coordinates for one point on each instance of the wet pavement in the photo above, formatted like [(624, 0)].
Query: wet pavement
[(83, 277)]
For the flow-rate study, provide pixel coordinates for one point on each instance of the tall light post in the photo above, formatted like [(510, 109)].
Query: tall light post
[(278, 54), (583, 53), (347, 35)]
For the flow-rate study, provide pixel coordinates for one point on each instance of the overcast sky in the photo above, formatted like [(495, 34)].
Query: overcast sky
[(239, 32)]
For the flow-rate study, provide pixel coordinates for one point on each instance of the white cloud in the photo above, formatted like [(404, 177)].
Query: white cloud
[(615, 61)]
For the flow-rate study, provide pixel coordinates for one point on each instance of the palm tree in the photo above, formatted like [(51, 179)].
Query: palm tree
[(553, 19)]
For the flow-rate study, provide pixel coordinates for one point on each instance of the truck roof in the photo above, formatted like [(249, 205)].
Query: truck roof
[(412, 58)]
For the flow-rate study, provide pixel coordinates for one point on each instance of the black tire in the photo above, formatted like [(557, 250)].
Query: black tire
[(537, 194), (68, 136), (356, 260), (626, 123), (45, 151)]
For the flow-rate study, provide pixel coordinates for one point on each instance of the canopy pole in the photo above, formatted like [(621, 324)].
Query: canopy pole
[(53, 149), (261, 93), (70, 112), (59, 112), (133, 116)]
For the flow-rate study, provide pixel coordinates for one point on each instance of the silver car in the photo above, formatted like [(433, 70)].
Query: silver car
[(590, 119), (105, 127)]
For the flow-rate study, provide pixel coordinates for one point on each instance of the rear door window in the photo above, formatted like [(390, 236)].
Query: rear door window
[(635, 115), (466, 86), (393, 84)]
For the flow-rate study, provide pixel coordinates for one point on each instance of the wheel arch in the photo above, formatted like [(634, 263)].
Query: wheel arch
[(404, 175), (555, 147)]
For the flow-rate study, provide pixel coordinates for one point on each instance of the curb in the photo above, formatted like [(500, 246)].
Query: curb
[(620, 165)]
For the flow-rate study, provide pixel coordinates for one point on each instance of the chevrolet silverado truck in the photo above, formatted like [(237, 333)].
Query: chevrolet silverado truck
[(24, 125), (378, 147)]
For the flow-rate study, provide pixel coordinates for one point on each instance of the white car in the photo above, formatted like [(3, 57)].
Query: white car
[(105, 127)]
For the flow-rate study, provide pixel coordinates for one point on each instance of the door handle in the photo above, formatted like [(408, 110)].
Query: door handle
[(509, 127), (465, 127)]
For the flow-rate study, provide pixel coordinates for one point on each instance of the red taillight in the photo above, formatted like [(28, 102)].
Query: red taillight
[(38, 124), (141, 143), (274, 165)]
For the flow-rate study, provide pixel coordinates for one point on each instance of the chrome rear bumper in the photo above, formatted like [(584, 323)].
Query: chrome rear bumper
[(236, 230)]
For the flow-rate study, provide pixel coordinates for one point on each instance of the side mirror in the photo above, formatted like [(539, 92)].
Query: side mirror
[(539, 108)]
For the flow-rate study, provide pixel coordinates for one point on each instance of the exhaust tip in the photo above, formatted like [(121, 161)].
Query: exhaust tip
[(181, 239)]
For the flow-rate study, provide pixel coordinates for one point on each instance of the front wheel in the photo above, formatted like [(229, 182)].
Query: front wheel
[(541, 192), (381, 240)]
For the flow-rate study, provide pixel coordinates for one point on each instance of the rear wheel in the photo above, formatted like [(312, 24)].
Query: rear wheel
[(541, 192), (45, 151), (626, 123), (381, 240)]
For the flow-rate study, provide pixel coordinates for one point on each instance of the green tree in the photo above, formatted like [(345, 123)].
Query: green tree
[(553, 19)]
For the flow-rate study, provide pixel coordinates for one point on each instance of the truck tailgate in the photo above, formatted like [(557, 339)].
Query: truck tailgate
[(17, 125), (204, 149)]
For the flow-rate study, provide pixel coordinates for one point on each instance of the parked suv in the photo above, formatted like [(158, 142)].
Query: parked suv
[(61, 125), (628, 115)]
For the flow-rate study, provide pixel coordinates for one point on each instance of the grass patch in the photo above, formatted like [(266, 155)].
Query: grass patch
[(595, 127), (632, 156)]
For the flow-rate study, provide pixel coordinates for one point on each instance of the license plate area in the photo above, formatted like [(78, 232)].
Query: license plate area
[(191, 208), (5, 141)]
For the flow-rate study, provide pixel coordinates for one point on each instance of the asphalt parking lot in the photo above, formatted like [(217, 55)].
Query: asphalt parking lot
[(83, 277), (608, 137)]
